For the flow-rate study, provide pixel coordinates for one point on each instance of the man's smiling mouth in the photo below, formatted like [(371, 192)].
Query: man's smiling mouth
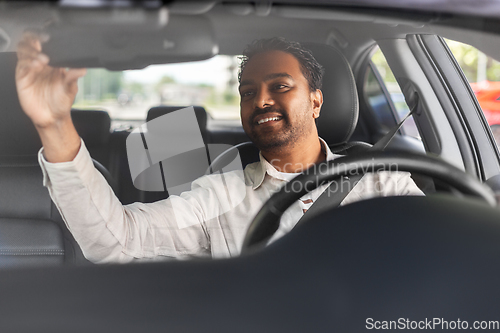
[(268, 119)]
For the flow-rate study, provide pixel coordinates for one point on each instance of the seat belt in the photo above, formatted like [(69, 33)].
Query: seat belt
[(381, 144), (334, 194), (337, 191)]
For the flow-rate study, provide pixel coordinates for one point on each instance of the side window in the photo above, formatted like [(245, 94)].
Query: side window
[(483, 74), (377, 99), (383, 94)]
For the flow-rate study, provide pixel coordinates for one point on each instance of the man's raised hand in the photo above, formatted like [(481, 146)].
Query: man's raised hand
[(45, 93)]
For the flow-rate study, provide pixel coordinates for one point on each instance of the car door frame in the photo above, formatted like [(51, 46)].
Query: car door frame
[(370, 121), (424, 66)]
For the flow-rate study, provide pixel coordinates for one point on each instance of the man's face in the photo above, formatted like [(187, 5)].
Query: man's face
[(277, 107)]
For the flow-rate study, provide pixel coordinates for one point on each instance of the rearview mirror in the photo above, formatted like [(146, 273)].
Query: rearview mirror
[(128, 46)]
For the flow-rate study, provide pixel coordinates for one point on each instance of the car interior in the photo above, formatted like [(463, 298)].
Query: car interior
[(390, 257)]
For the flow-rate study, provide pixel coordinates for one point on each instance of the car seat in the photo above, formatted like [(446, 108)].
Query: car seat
[(340, 110), (199, 111), (158, 111), (32, 231), (93, 126)]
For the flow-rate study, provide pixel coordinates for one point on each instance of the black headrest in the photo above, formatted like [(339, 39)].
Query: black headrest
[(92, 126), (339, 114), (18, 135), (200, 112)]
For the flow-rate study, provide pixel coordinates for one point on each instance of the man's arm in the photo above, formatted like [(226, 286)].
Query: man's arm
[(106, 230), (109, 232)]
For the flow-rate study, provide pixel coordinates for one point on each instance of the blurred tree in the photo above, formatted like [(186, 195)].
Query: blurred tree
[(383, 68), (99, 84), (164, 80), (473, 63), (134, 87)]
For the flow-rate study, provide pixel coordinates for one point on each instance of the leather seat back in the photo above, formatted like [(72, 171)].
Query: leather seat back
[(29, 235), (93, 126), (200, 112), (128, 193), (32, 231), (340, 110)]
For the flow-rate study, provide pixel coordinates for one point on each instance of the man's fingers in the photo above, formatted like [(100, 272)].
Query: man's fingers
[(74, 74), (31, 41), (71, 79), (28, 70), (30, 44), (29, 52), (36, 34), (25, 75), (34, 64), (26, 50)]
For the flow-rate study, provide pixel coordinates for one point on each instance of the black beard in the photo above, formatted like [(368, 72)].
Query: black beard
[(288, 136), (272, 141), (268, 143)]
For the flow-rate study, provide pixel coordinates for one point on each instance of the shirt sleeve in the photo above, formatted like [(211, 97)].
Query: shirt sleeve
[(108, 231)]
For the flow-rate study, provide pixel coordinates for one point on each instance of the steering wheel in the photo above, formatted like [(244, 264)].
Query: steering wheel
[(267, 220)]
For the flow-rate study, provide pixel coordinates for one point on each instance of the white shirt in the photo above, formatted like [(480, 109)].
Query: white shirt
[(209, 220)]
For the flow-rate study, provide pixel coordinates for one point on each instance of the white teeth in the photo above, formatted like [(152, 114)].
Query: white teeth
[(265, 120)]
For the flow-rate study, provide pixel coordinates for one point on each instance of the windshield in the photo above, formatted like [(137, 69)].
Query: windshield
[(255, 166), (177, 123)]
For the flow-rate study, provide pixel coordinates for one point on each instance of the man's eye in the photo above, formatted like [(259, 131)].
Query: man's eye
[(280, 86), (246, 93)]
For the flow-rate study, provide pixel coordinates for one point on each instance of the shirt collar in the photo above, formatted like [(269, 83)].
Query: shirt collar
[(265, 167)]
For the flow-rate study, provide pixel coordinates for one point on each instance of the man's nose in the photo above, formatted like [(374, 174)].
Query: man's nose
[(263, 99)]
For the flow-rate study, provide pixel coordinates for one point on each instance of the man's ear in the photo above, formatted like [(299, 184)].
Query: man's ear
[(317, 102)]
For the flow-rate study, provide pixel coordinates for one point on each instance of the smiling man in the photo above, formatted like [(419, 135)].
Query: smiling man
[(280, 87), (279, 105)]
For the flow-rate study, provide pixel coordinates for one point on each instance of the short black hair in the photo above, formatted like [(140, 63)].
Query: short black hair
[(310, 67)]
